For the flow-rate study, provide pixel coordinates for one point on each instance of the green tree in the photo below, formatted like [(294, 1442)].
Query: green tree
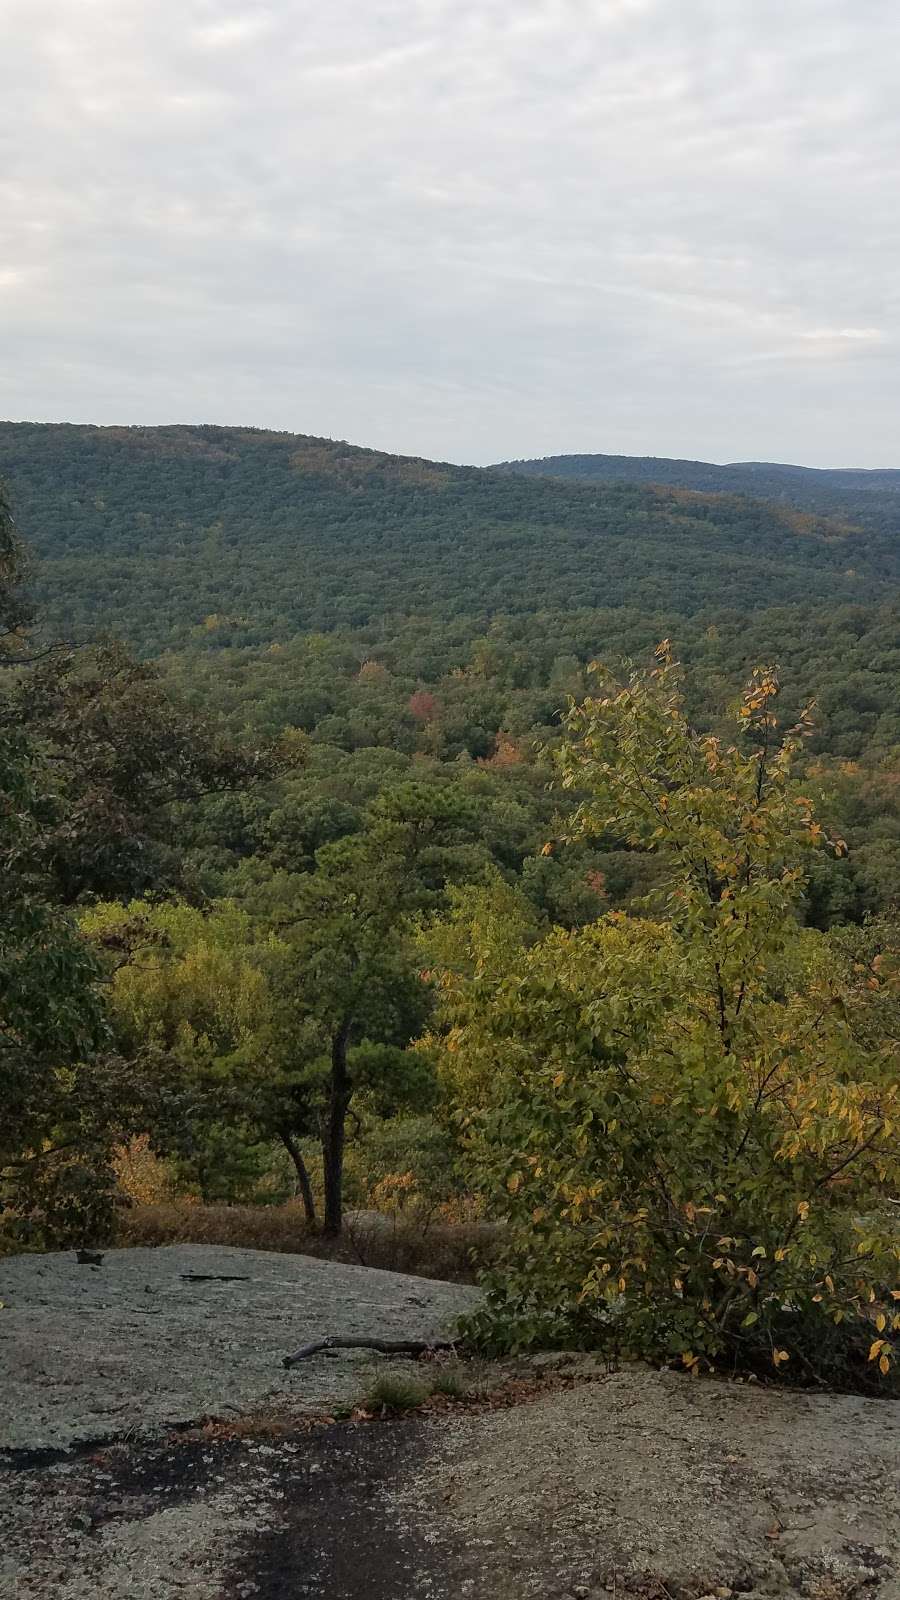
[(59, 1090), (271, 1033), (352, 978), (355, 983), (92, 753), (54, 1075), (119, 753), (690, 1123)]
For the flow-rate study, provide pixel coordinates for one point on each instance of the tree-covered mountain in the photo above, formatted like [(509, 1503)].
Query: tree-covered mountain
[(870, 497), (407, 615), (160, 533)]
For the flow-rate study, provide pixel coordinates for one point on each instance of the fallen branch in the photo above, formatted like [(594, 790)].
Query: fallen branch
[(214, 1277), (386, 1347)]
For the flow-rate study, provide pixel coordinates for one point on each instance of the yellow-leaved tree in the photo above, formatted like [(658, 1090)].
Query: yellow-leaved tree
[(690, 1121)]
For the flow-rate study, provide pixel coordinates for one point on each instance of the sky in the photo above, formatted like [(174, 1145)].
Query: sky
[(465, 229)]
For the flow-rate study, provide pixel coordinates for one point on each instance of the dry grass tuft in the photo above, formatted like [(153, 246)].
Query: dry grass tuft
[(392, 1392), (453, 1382)]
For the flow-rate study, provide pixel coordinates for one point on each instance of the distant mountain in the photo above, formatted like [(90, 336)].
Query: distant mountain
[(240, 536), (870, 496)]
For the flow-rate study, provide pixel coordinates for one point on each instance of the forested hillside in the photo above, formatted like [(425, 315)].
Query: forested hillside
[(400, 612), (157, 533), (869, 497)]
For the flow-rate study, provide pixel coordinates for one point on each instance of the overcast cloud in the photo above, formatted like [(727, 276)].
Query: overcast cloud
[(467, 229)]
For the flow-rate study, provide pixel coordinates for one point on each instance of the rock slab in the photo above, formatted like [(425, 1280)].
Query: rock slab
[(160, 1337)]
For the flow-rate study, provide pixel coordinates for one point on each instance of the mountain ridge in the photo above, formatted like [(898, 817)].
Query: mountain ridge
[(874, 492), (151, 532)]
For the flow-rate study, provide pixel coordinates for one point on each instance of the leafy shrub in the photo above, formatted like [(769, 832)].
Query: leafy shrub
[(142, 1177)]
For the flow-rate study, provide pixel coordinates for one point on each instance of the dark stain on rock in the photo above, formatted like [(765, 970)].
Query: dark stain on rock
[(335, 1532)]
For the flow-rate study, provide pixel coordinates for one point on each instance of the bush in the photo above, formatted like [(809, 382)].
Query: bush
[(142, 1177)]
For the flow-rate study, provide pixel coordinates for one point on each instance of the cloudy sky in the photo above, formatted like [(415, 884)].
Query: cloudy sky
[(468, 229)]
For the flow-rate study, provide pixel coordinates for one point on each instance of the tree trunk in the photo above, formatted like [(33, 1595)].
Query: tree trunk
[(333, 1131), (303, 1184)]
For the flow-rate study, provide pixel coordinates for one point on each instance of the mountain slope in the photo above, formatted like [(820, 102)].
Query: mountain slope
[(872, 497), (236, 535)]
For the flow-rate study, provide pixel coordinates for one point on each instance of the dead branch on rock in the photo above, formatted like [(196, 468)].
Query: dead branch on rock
[(215, 1277), (385, 1347)]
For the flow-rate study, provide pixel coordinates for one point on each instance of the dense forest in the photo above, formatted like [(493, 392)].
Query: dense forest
[(315, 785), (405, 615)]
